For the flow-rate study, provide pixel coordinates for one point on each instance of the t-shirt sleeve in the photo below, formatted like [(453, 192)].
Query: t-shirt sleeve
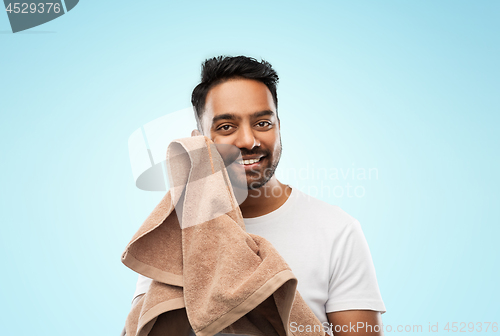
[(353, 283), (142, 285)]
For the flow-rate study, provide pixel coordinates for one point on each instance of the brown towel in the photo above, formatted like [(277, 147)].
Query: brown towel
[(208, 273)]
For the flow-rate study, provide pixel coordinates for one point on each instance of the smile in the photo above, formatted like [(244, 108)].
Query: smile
[(249, 162)]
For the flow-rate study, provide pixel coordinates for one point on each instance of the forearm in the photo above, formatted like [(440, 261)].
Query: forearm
[(343, 323)]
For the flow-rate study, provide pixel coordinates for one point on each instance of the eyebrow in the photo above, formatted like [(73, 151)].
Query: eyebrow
[(232, 116)]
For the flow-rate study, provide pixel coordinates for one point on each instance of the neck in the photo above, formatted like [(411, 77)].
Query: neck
[(266, 199)]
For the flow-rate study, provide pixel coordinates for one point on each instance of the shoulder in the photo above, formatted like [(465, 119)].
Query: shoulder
[(322, 213)]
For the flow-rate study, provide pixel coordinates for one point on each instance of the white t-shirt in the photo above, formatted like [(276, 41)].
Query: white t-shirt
[(326, 250)]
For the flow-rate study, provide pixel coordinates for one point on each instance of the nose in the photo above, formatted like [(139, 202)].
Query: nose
[(245, 138)]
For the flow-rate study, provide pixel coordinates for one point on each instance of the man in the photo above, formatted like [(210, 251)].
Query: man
[(236, 103)]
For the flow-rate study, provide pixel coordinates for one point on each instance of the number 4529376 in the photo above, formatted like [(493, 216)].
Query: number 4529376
[(32, 8), (471, 326)]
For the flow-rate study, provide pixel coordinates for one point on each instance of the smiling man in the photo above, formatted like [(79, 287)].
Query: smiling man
[(236, 104), (242, 112)]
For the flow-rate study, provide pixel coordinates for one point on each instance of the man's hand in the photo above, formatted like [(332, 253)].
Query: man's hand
[(356, 323)]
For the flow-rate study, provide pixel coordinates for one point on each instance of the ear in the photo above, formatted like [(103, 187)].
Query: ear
[(195, 132)]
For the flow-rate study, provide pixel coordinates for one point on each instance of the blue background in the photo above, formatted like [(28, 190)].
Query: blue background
[(408, 88)]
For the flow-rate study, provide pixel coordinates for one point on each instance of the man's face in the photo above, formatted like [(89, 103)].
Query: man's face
[(241, 112)]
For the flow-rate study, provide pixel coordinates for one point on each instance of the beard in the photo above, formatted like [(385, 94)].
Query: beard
[(255, 178)]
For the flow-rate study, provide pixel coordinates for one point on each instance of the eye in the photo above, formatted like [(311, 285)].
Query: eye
[(224, 128), (264, 123)]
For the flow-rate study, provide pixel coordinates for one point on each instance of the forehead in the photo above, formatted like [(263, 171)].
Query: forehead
[(238, 96)]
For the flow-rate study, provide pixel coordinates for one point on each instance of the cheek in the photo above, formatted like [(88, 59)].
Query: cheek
[(221, 139), (271, 141)]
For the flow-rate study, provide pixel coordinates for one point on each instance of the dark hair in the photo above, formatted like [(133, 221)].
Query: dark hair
[(222, 68)]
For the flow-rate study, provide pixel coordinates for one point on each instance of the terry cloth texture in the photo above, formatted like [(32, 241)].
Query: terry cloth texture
[(208, 273)]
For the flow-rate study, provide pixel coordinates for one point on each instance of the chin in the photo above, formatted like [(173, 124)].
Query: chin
[(253, 184)]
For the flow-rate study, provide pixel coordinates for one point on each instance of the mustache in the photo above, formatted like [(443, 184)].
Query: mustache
[(247, 153), (230, 153)]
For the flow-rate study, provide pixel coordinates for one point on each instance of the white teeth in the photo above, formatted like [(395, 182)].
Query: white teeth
[(248, 161)]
